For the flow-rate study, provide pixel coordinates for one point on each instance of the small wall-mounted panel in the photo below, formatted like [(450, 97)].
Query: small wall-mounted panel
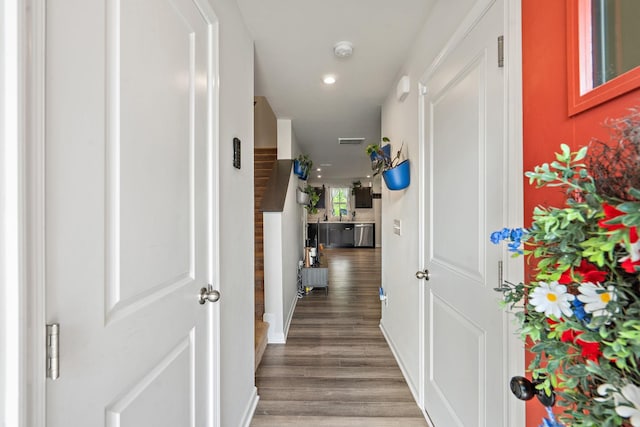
[(403, 87)]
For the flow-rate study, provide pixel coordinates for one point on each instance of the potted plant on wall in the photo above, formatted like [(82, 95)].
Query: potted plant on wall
[(302, 165), (396, 173), (308, 197), (314, 197)]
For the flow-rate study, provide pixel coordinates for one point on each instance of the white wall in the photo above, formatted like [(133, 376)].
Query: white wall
[(283, 245), (236, 217), (273, 277), (400, 315), (265, 124), (285, 139), (292, 218)]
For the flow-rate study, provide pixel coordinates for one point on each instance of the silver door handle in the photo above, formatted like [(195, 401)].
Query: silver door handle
[(423, 274), (208, 294)]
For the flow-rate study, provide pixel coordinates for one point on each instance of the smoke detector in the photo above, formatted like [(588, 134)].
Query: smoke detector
[(343, 49)]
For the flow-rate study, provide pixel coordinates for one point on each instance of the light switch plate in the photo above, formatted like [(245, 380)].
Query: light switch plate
[(397, 227)]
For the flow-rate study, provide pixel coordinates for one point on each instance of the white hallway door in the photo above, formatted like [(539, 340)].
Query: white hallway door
[(463, 128), (130, 212)]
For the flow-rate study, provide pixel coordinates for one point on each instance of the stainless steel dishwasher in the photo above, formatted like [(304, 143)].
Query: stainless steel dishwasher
[(363, 235)]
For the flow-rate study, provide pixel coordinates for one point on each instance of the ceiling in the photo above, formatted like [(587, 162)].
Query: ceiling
[(294, 41)]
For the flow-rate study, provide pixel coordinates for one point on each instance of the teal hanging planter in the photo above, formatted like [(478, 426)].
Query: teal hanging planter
[(399, 177)]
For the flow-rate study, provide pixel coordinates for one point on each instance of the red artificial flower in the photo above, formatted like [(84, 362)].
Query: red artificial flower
[(569, 335), (586, 272), (610, 213), (630, 266), (589, 350)]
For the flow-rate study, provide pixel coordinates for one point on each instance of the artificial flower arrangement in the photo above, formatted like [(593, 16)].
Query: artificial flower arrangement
[(582, 309)]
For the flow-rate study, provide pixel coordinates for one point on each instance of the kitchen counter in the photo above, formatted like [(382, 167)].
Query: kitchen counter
[(344, 222)]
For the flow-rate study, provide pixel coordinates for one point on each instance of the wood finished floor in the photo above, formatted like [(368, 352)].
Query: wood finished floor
[(336, 369)]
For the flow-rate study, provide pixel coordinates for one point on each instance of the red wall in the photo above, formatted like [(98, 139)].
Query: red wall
[(546, 122)]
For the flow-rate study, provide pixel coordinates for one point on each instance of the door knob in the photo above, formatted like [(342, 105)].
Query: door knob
[(423, 274), (208, 294)]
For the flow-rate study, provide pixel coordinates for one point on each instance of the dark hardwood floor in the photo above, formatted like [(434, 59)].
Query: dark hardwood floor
[(336, 368)]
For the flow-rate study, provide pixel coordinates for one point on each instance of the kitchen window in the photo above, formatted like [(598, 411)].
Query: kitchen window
[(340, 201)]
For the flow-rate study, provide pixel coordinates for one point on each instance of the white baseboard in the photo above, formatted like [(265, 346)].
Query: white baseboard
[(251, 409), (287, 323), (276, 338), (412, 387), (279, 337), (273, 336)]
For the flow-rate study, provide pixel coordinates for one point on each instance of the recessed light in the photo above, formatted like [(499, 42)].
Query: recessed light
[(319, 169), (329, 80), (368, 176), (319, 176)]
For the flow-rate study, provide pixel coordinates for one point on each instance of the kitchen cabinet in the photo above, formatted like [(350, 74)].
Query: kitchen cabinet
[(339, 235), (320, 192), (342, 234), (363, 197)]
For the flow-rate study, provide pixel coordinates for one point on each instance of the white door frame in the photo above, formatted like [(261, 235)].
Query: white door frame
[(22, 211), (513, 188)]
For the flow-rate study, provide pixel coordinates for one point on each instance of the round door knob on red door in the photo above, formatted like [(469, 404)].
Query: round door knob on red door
[(423, 274)]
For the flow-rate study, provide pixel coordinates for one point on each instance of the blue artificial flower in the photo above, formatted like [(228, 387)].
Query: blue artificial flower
[(505, 233), (496, 237), (578, 310), (512, 235), (516, 234), (551, 421), (515, 247)]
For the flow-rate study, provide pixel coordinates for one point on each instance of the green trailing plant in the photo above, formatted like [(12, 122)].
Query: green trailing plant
[(382, 161), (314, 197), (582, 308)]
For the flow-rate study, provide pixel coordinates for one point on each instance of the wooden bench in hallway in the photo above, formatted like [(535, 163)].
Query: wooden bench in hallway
[(336, 368)]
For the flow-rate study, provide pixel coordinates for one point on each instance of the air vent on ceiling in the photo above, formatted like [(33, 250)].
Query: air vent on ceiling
[(350, 141)]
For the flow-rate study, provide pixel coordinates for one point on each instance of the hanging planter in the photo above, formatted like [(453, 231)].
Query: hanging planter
[(301, 197), (299, 170), (399, 177), (396, 174), (302, 166)]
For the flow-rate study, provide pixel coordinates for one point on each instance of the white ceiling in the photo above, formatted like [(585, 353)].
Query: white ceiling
[(294, 42)]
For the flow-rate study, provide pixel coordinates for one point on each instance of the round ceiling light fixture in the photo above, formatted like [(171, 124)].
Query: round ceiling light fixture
[(343, 49), (329, 80)]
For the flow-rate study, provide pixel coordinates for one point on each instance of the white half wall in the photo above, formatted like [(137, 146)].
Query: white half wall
[(282, 251), (273, 281)]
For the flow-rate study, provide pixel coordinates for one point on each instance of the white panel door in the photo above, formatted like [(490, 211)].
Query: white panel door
[(464, 137), (130, 212)]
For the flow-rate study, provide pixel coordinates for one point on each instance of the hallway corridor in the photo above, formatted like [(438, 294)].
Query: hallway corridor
[(336, 369)]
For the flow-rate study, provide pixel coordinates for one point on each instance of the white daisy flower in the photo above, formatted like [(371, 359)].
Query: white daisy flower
[(595, 298), (631, 394), (605, 390), (634, 253), (552, 299)]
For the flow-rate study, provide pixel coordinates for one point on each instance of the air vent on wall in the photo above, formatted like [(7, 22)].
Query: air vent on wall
[(350, 141)]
